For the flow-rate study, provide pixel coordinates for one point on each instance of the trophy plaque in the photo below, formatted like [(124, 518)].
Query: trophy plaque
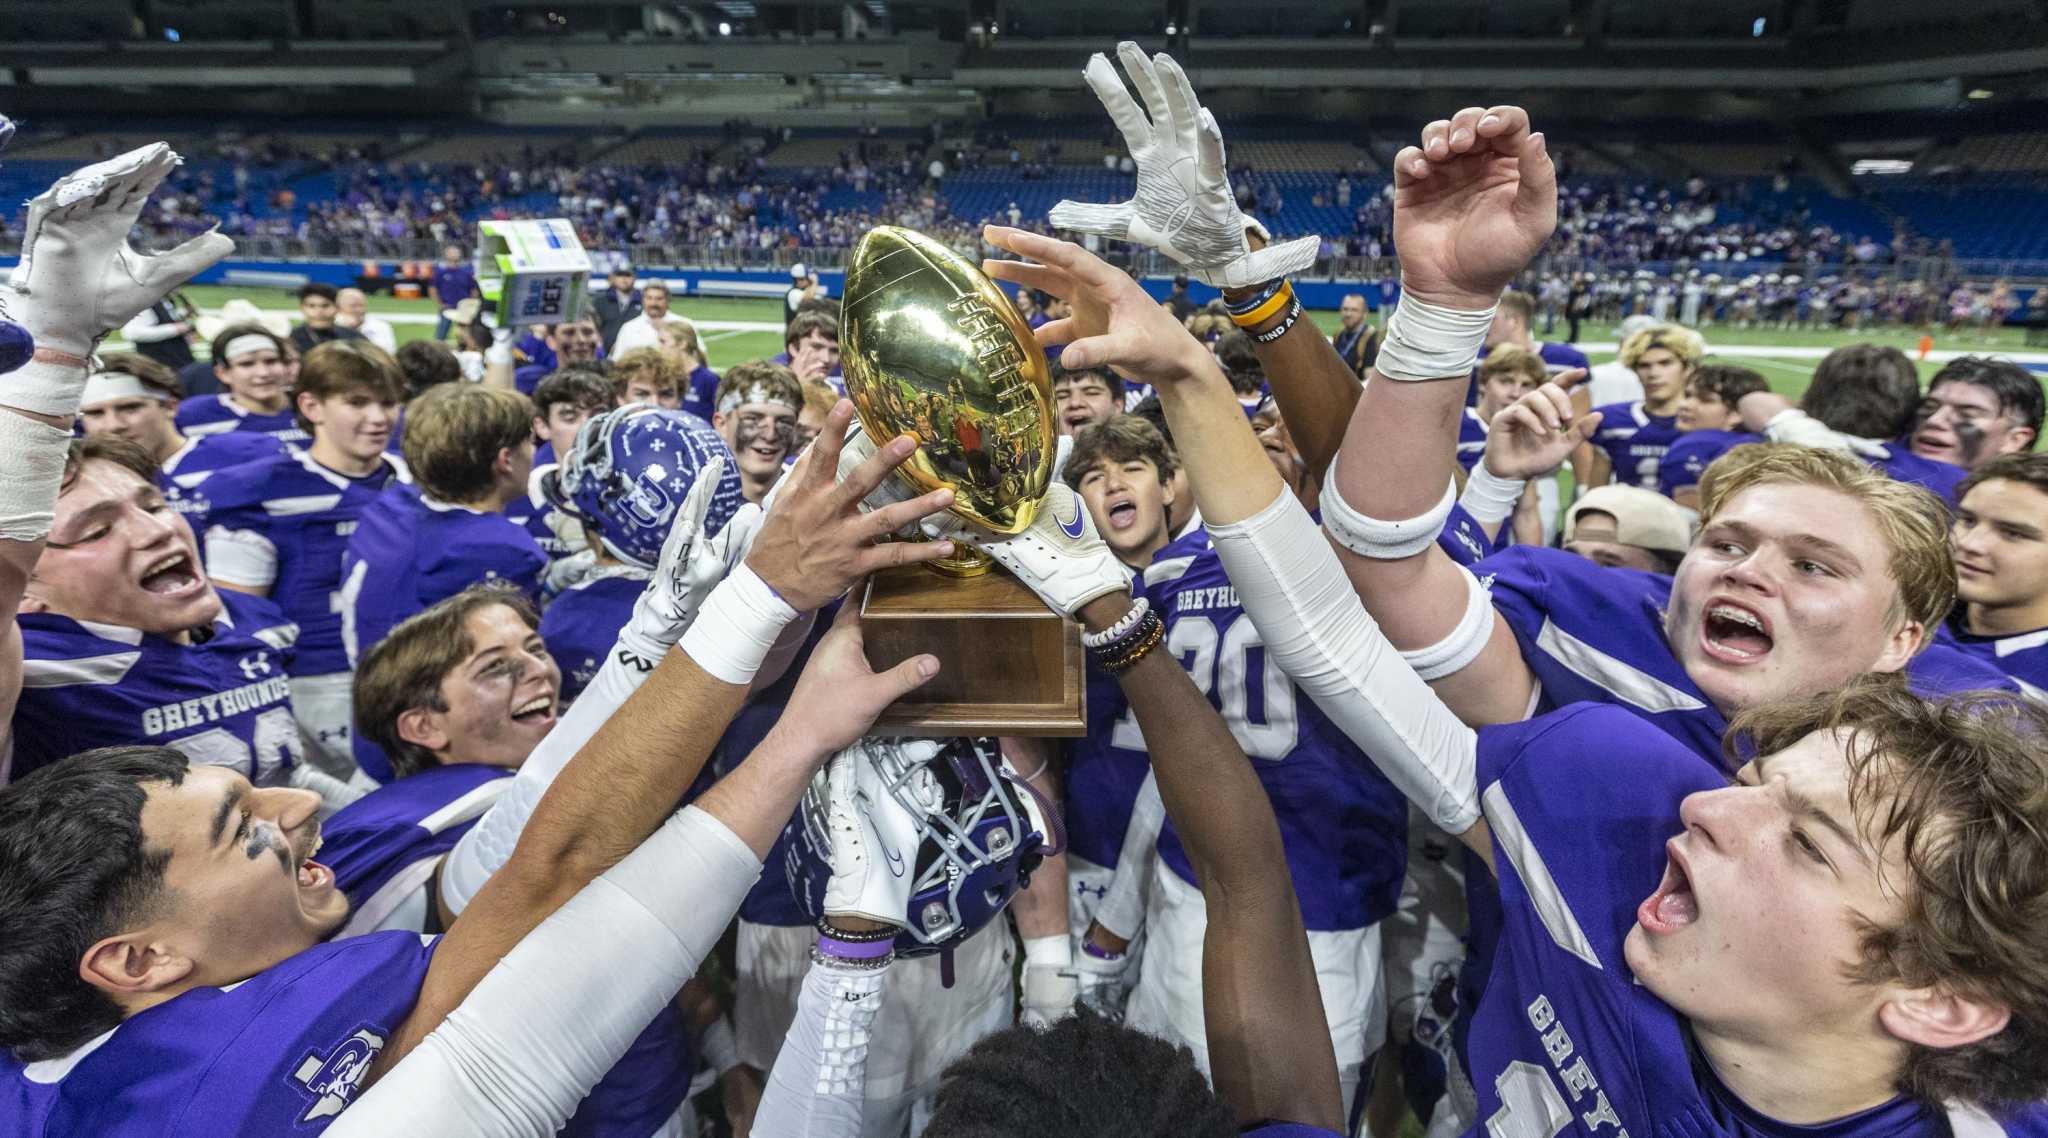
[(933, 349)]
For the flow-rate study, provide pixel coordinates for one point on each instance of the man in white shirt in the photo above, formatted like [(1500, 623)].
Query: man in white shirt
[(352, 310), (644, 330)]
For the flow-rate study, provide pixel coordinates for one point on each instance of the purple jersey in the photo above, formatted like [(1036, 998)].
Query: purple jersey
[(583, 622), (1105, 771), (1592, 634), (281, 525), (201, 455), (1466, 542), (1691, 453), (1565, 1041), (699, 400), (1635, 441), (223, 699), (532, 512), (1940, 477), (282, 1052), (1471, 439), (409, 551), (2023, 656), (383, 846), (220, 414), (1344, 826)]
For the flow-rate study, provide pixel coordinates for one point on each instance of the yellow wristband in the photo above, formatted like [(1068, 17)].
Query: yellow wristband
[(1274, 306)]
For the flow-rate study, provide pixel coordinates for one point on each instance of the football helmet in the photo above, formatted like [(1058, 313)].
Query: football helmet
[(978, 831), (628, 471)]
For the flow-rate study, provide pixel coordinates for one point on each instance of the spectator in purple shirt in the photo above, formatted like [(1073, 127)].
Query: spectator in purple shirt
[(454, 282)]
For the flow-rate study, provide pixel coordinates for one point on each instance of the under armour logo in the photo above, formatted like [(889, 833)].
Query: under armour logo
[(254, 665), (333, 1079), (329, 734), (1083, 889)]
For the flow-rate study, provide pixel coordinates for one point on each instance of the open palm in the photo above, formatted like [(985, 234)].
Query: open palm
[(1472, 204)]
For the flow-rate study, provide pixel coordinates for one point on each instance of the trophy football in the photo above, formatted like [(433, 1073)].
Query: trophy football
[(932, 348)]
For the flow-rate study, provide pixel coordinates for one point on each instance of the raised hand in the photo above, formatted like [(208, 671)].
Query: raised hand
[(1183, 206), (815, 542), (1535, 434), (78, 279), (1115, 322), (1472, 204), (871, 834)]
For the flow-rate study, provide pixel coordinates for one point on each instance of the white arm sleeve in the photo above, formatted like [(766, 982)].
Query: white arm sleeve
[(1296, 593), (481, 851), (819, 1082), (241, 557), (1122, 909), (145, 328), (518, 1055)]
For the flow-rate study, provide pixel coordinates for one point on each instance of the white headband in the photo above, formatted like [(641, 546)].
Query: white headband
[(753, 393), (248, 342), (106, 385)]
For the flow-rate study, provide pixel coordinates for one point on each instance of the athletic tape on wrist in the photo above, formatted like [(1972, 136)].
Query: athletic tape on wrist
[(1055, 951), (35, 471), (1427, 341), (1377, 539), (1488, 497), (1450, 655), (737, 626)]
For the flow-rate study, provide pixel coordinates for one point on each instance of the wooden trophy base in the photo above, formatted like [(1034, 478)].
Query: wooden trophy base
[(1008, 665)]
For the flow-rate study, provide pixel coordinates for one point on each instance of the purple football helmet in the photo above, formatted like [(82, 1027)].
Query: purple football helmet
[(975, 849), (629, 470)]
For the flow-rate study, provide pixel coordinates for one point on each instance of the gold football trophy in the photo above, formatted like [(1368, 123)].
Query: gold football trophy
[(933, 349)]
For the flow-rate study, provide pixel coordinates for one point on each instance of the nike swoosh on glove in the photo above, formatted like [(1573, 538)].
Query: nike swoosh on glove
[(1060, 556), (874, 836)]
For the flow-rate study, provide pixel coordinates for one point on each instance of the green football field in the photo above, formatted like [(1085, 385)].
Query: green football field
[(739, 330)]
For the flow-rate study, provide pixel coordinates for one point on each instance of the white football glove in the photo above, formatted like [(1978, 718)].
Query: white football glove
[(78, 279), (690, 567), (1060, 556), (1793, 425), (1183, 206), (874, 838), (1104, 985), (1050, 984)]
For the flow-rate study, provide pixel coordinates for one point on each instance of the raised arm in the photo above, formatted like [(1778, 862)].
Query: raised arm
[(546, 1023), (77, 280), (627, 779), (1258, 979), (1472, 204), (1184, 208), (1287, 576)]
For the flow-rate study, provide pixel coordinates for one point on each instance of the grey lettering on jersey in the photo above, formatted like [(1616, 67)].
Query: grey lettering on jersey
[(1536, 879), (1628, 683)]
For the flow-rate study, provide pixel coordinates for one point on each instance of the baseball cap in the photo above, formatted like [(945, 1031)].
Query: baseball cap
[(799, 271), (622, 269), (1642, 518)]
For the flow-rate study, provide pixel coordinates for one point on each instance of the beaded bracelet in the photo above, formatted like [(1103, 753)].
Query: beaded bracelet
[(853, 963), (1280, 329), (1121, 659), (1122, 628), (849, 936)]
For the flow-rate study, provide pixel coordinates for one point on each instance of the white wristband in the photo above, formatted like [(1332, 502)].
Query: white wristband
[(1427, 341), (35, 471), (1378, 538), (738, 625), (1488, 497), (1055, 951)]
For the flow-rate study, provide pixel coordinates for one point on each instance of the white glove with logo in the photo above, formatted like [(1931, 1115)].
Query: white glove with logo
[(78, 278), (1183, 206), (690, 567), (1050, 985), (874, 838), (1060, 556)]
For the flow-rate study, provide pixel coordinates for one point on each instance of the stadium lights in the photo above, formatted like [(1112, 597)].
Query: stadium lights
[(1881, 166), (1980, 92), (724, 28)]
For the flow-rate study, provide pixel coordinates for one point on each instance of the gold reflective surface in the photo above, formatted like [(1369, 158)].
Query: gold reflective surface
[(932, 348)]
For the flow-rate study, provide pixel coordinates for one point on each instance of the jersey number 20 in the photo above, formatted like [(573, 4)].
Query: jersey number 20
[(1220, 664)]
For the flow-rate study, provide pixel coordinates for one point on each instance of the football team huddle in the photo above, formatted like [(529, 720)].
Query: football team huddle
[(499, 757)]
